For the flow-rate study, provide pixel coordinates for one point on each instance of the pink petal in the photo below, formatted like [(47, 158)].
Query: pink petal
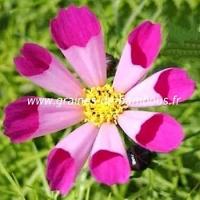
[(169, 86), (109, 163), (78, 34), (139, 53), (154, 131), (41, 67), (26, 119), (68, 157)]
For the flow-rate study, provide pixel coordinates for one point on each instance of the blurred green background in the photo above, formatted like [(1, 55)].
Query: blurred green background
[(171, 176)]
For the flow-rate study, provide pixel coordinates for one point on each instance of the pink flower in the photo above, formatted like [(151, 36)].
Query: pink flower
[(78, 34)]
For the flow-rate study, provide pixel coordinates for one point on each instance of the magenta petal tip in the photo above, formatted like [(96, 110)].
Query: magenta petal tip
[(104, 168), (74, 26), (21, 120), (145, 41), (33, 60), (175, 84), (161, 133), (60, 171)]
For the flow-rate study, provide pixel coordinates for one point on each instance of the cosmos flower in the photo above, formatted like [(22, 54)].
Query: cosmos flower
[(78, 34)]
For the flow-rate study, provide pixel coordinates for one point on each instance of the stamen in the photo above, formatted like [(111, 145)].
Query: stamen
[(103, 104)]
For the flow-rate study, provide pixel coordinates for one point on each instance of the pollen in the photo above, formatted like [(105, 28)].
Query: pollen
[(103, 104)]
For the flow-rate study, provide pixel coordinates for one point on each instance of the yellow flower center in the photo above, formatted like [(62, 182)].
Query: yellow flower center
[(103, 104)]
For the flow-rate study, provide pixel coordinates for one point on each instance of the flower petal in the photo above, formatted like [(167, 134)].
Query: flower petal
[(169, 86), (78, 34), (153, 131), (31, 117), (139, 53), (41, 67), (68, 157), (109, 163)]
